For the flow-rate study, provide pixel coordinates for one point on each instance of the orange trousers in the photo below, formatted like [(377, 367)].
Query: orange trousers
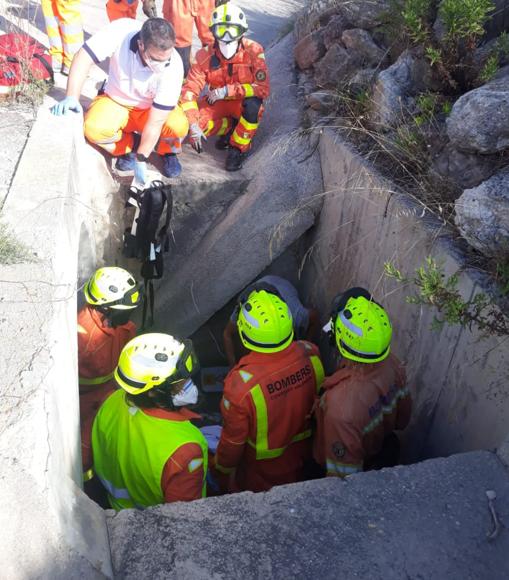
[(182, 13), (219, 118), (122, 9), (111, 126)]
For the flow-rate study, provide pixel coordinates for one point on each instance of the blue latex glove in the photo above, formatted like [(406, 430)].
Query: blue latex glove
[(217, 95), (66, 105), (140, 172)]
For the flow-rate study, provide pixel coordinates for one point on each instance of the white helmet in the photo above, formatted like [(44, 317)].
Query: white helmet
[(228, 23)]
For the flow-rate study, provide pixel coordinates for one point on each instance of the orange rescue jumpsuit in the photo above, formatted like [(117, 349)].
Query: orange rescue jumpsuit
[(266, 408), (247, 79), (116, 9), (182, 13), (99, 348), (362, 403)]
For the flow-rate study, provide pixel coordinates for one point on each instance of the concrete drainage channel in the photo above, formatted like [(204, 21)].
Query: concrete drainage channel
[(426, 520)]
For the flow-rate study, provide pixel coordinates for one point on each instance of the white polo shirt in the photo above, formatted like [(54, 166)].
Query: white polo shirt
[(130, 82)]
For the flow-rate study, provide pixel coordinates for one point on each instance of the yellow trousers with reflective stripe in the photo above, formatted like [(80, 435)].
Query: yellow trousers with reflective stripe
[(64, 29)]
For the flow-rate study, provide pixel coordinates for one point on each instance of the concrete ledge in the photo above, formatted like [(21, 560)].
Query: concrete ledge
[(458, 379), (423, 521), (50, 529)]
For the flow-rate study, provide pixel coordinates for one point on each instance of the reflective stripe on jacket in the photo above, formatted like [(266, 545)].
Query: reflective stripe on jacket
[(131, 449), (361, 404), (245, 75), (99, 346), (266, 411)]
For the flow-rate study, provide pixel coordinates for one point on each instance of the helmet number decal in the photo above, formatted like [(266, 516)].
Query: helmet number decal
[(338, 449)]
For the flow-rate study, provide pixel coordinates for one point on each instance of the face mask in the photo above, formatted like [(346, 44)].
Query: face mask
[(187, 396), (228, 49), (119, 317), (156, 66)]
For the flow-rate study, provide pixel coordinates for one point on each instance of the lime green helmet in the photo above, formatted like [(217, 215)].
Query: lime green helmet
[(114, 288), (361, 327), (265, 322), (154, 360)]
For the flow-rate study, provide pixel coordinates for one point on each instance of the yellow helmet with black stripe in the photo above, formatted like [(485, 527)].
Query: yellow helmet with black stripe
[(228, 22)]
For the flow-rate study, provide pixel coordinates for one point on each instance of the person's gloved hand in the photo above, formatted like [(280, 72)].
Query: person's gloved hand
[(217, 95), (149, 8), (140, 172), (195, 137), (66, 105)]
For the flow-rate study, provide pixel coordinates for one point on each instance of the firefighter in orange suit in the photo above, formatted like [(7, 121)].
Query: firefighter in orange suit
[(104, 329), (235, 71), (267, 402), (181, 14), (366, 399)]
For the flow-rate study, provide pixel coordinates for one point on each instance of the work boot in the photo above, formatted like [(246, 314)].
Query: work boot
[(126, 162), (171, 165), (234, 159)]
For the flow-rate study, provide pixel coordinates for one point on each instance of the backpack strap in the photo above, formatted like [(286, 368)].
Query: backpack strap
[(148, 302)]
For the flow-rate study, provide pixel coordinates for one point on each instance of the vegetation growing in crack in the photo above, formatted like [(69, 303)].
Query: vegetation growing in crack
[(441, 292), (12, 251)]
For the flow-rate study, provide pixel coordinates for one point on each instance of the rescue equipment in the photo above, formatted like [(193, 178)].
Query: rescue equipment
[(147, 241)]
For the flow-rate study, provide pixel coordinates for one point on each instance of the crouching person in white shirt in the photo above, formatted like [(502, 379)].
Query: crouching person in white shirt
[(138, 110)]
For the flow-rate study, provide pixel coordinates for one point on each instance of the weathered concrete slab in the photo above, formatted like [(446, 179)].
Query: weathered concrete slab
[(458, 380), (278, 207), (428, 520), (49, 528)]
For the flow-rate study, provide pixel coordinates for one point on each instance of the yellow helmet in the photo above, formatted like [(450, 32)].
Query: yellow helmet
[(114, 288), (265, 323), (154, 360), (228, 22), (361, 327)]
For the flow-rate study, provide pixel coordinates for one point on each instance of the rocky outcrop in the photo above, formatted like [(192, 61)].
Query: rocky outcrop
[(479, 121), (391, 92), (464, 168), (363, 14), (360, 43), (482, 216), (323, 101), (334, 29), (309, 50), (336, 67)]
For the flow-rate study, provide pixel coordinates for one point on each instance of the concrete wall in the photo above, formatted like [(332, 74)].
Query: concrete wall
[(50, 529), (458, 380)]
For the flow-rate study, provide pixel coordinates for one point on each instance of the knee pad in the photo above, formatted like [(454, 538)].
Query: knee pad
[(251, 109)]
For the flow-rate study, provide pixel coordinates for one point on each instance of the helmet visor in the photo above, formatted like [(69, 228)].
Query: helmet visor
[(187, 364), (227, 32)]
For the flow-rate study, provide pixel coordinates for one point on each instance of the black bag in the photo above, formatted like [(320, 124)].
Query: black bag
[(145, 240)]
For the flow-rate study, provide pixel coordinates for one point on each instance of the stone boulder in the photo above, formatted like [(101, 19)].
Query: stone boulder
[(362, 80), (482, 215), (335, 68), (334, 29), (315, 15), (323, 101), (391, 92), (479, 120), (465, 169), (359, 41), (309, 50), (364, 13)]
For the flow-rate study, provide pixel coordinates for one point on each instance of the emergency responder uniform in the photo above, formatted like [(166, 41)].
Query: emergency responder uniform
[(64, 28), (116, 9), (182, 14), (235, 71), (103, 331), (366, 399), (267, 402), (146, 451)]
